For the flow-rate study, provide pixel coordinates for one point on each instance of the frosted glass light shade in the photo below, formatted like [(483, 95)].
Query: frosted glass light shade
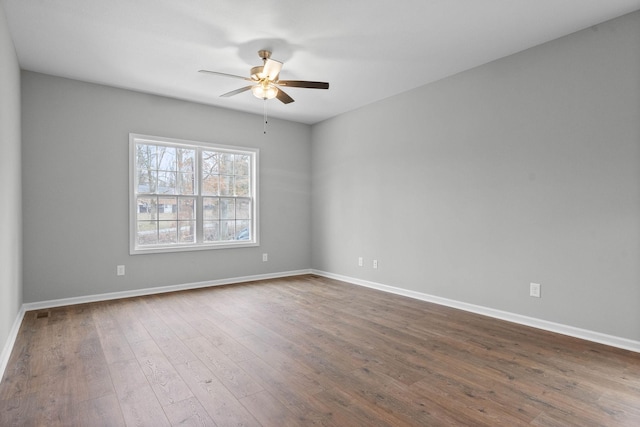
[(264, 91)]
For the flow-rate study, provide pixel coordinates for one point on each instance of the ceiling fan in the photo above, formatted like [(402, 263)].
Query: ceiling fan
[(265, 82)]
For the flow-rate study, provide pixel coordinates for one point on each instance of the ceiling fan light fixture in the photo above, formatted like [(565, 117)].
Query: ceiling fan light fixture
[(264, 90), (265, 81)]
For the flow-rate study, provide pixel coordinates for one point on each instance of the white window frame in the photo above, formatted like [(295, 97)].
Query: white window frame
[(135, 249)]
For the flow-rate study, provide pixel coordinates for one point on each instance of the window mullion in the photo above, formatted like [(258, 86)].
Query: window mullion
[(199, 201)]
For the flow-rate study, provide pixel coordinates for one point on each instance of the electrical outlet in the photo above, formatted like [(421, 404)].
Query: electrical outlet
[(120, 270), (360, 262), (265, 257), (375, 263), (534, 290)]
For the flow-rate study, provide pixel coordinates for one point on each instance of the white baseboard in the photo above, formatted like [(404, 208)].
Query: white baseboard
[(11, 339), (159, 290), (584, 334)]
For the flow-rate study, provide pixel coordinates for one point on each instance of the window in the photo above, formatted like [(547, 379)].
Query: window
[(187, 195)]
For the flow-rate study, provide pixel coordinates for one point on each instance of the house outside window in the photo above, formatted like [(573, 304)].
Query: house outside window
[(187, 195)]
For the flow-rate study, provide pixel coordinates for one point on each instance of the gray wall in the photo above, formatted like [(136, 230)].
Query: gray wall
[(10, 177), (526, 169), (75, 148)]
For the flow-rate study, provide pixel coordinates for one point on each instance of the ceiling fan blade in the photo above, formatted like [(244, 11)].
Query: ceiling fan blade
[(283, 97), (272, 69), (302, 83), (237, 91), (224, 74)]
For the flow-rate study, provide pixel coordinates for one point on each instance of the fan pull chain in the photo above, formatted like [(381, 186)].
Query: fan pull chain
[(265, 117)]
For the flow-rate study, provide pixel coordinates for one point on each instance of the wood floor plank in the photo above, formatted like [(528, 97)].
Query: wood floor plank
[(130, 325), (287, 389), (285, 364), (103, 411), (161, 374), (138, 402), (19, 370), (169, 309), (269, 411), (472, 404), (221, 405), (225, 343), (301, 351), (343, 410), (19, 409), (228, 372), (188, 412), (172, 345), (115, 346), (92, 379)]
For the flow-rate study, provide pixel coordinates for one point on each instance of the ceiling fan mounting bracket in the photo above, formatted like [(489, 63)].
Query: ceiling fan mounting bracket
[(264, 54)]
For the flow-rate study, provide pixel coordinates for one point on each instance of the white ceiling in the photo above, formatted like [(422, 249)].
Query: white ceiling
[(367, 49)]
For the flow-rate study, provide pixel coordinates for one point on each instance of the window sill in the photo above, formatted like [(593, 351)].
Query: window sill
[(189, 248)]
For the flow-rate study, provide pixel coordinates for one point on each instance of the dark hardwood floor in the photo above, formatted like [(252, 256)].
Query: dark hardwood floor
[(305, 351)]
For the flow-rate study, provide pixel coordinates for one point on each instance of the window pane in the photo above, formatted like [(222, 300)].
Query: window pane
[(211, 231), (227, 230), (242, 186), (187, 231), (243, 209), (226, 163), (186, 183), (167, 208), (186, 208), (242, 164), (152, 183), (143, 181), (146, 208), (147, 232), (186, 159), (226, 185), (210, 185), (146, 157), (167, 159), (210, 162), (227, 208), (210, 208), (167, 232), (166, 183), (243, 230)]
